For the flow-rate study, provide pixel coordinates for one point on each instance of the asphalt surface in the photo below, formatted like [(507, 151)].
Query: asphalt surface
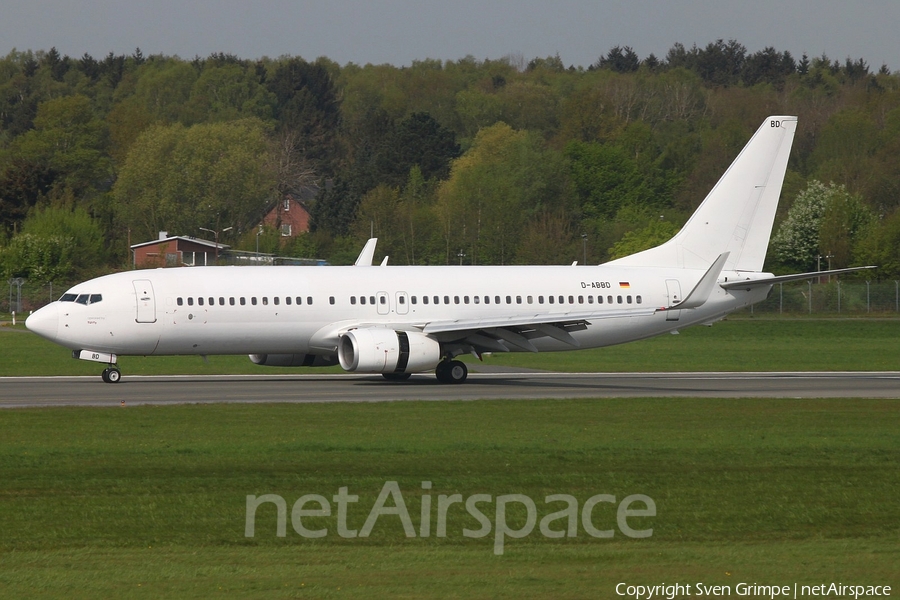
[(161, 390)]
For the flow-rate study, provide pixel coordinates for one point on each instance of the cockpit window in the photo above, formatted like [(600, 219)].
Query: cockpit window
[(85, 299)]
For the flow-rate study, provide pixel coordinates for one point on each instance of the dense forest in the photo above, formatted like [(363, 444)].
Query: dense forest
[(457, 162)]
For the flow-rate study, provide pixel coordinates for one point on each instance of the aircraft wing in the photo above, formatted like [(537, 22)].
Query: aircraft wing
[(498, 333)]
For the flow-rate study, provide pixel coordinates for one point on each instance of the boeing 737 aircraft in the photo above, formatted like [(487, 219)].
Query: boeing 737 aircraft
[(398, 320)]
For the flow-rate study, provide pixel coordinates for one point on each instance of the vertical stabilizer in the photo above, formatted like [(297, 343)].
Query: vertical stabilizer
[(737, 215)]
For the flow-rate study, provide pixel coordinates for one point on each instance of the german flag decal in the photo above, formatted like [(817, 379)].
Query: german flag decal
[(624, 284)]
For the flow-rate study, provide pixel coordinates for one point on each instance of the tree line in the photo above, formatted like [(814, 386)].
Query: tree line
[(493, 161)]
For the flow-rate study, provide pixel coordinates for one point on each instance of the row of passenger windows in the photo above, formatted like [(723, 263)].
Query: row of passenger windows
[(242, 301), (499, 299), (85, 299), (382, 299)]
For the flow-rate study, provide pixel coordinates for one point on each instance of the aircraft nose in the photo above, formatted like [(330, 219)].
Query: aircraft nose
[(45, 322)]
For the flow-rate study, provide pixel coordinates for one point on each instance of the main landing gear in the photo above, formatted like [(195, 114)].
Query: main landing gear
[(451, 371), (447, 371), (111, 374)]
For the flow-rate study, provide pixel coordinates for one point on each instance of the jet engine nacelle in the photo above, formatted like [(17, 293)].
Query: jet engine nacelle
[(382, 350), (292, 360)]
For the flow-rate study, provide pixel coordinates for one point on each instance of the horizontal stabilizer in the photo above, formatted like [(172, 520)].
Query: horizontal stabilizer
[(747, 284)]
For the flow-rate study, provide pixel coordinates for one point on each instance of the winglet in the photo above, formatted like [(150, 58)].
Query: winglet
[(700, 294), (367, 254)]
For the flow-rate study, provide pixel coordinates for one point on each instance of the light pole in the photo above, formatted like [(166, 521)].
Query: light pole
[(584, 248), (16, 281), (216, 233)]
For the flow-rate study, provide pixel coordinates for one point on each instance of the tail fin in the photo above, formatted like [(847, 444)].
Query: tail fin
[(737, 215)]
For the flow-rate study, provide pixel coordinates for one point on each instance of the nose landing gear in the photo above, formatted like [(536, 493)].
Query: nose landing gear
[(111, 374)]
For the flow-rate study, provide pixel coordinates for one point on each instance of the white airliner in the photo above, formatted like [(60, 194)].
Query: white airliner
[(398, 320)]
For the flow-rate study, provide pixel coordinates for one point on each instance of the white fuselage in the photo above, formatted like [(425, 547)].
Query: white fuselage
[(296, 310)]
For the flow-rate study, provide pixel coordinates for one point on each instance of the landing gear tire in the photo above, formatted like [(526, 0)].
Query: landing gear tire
[(111, 375), (451, 371), (396, 376)]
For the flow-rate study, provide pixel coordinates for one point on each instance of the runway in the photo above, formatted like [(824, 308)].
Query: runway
[(161, 390)]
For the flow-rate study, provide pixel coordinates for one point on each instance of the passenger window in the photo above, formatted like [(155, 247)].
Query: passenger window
[(424, 299), (382, 300), (353, 300), (446, 299), (190, 301), (200, 301), (330, 299), (628, 299), (437, 299), (299, 300), (243, 301), (487, 299), (477, 299), (496, 299), (571, 300), (619, 299), (231, 300), (540, 299), (212, 301), (509, 299), (276, 300), (580, 299), (455, 299), (412, 299), (265, 301), (590, 299), (518, 299), (530, 300), (308, 300), (466, 299), (253, 300), (401, 300), (179, 301), (222, 301), (609, 299), (287, 300), (639, 299), (550, 299), (372, 300), (362, 299)]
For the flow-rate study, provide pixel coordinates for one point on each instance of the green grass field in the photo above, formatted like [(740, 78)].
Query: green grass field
[(149, 502), (735, 345)]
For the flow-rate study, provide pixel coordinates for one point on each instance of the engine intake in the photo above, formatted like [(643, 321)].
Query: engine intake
[(381, 350), (292, 360)]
